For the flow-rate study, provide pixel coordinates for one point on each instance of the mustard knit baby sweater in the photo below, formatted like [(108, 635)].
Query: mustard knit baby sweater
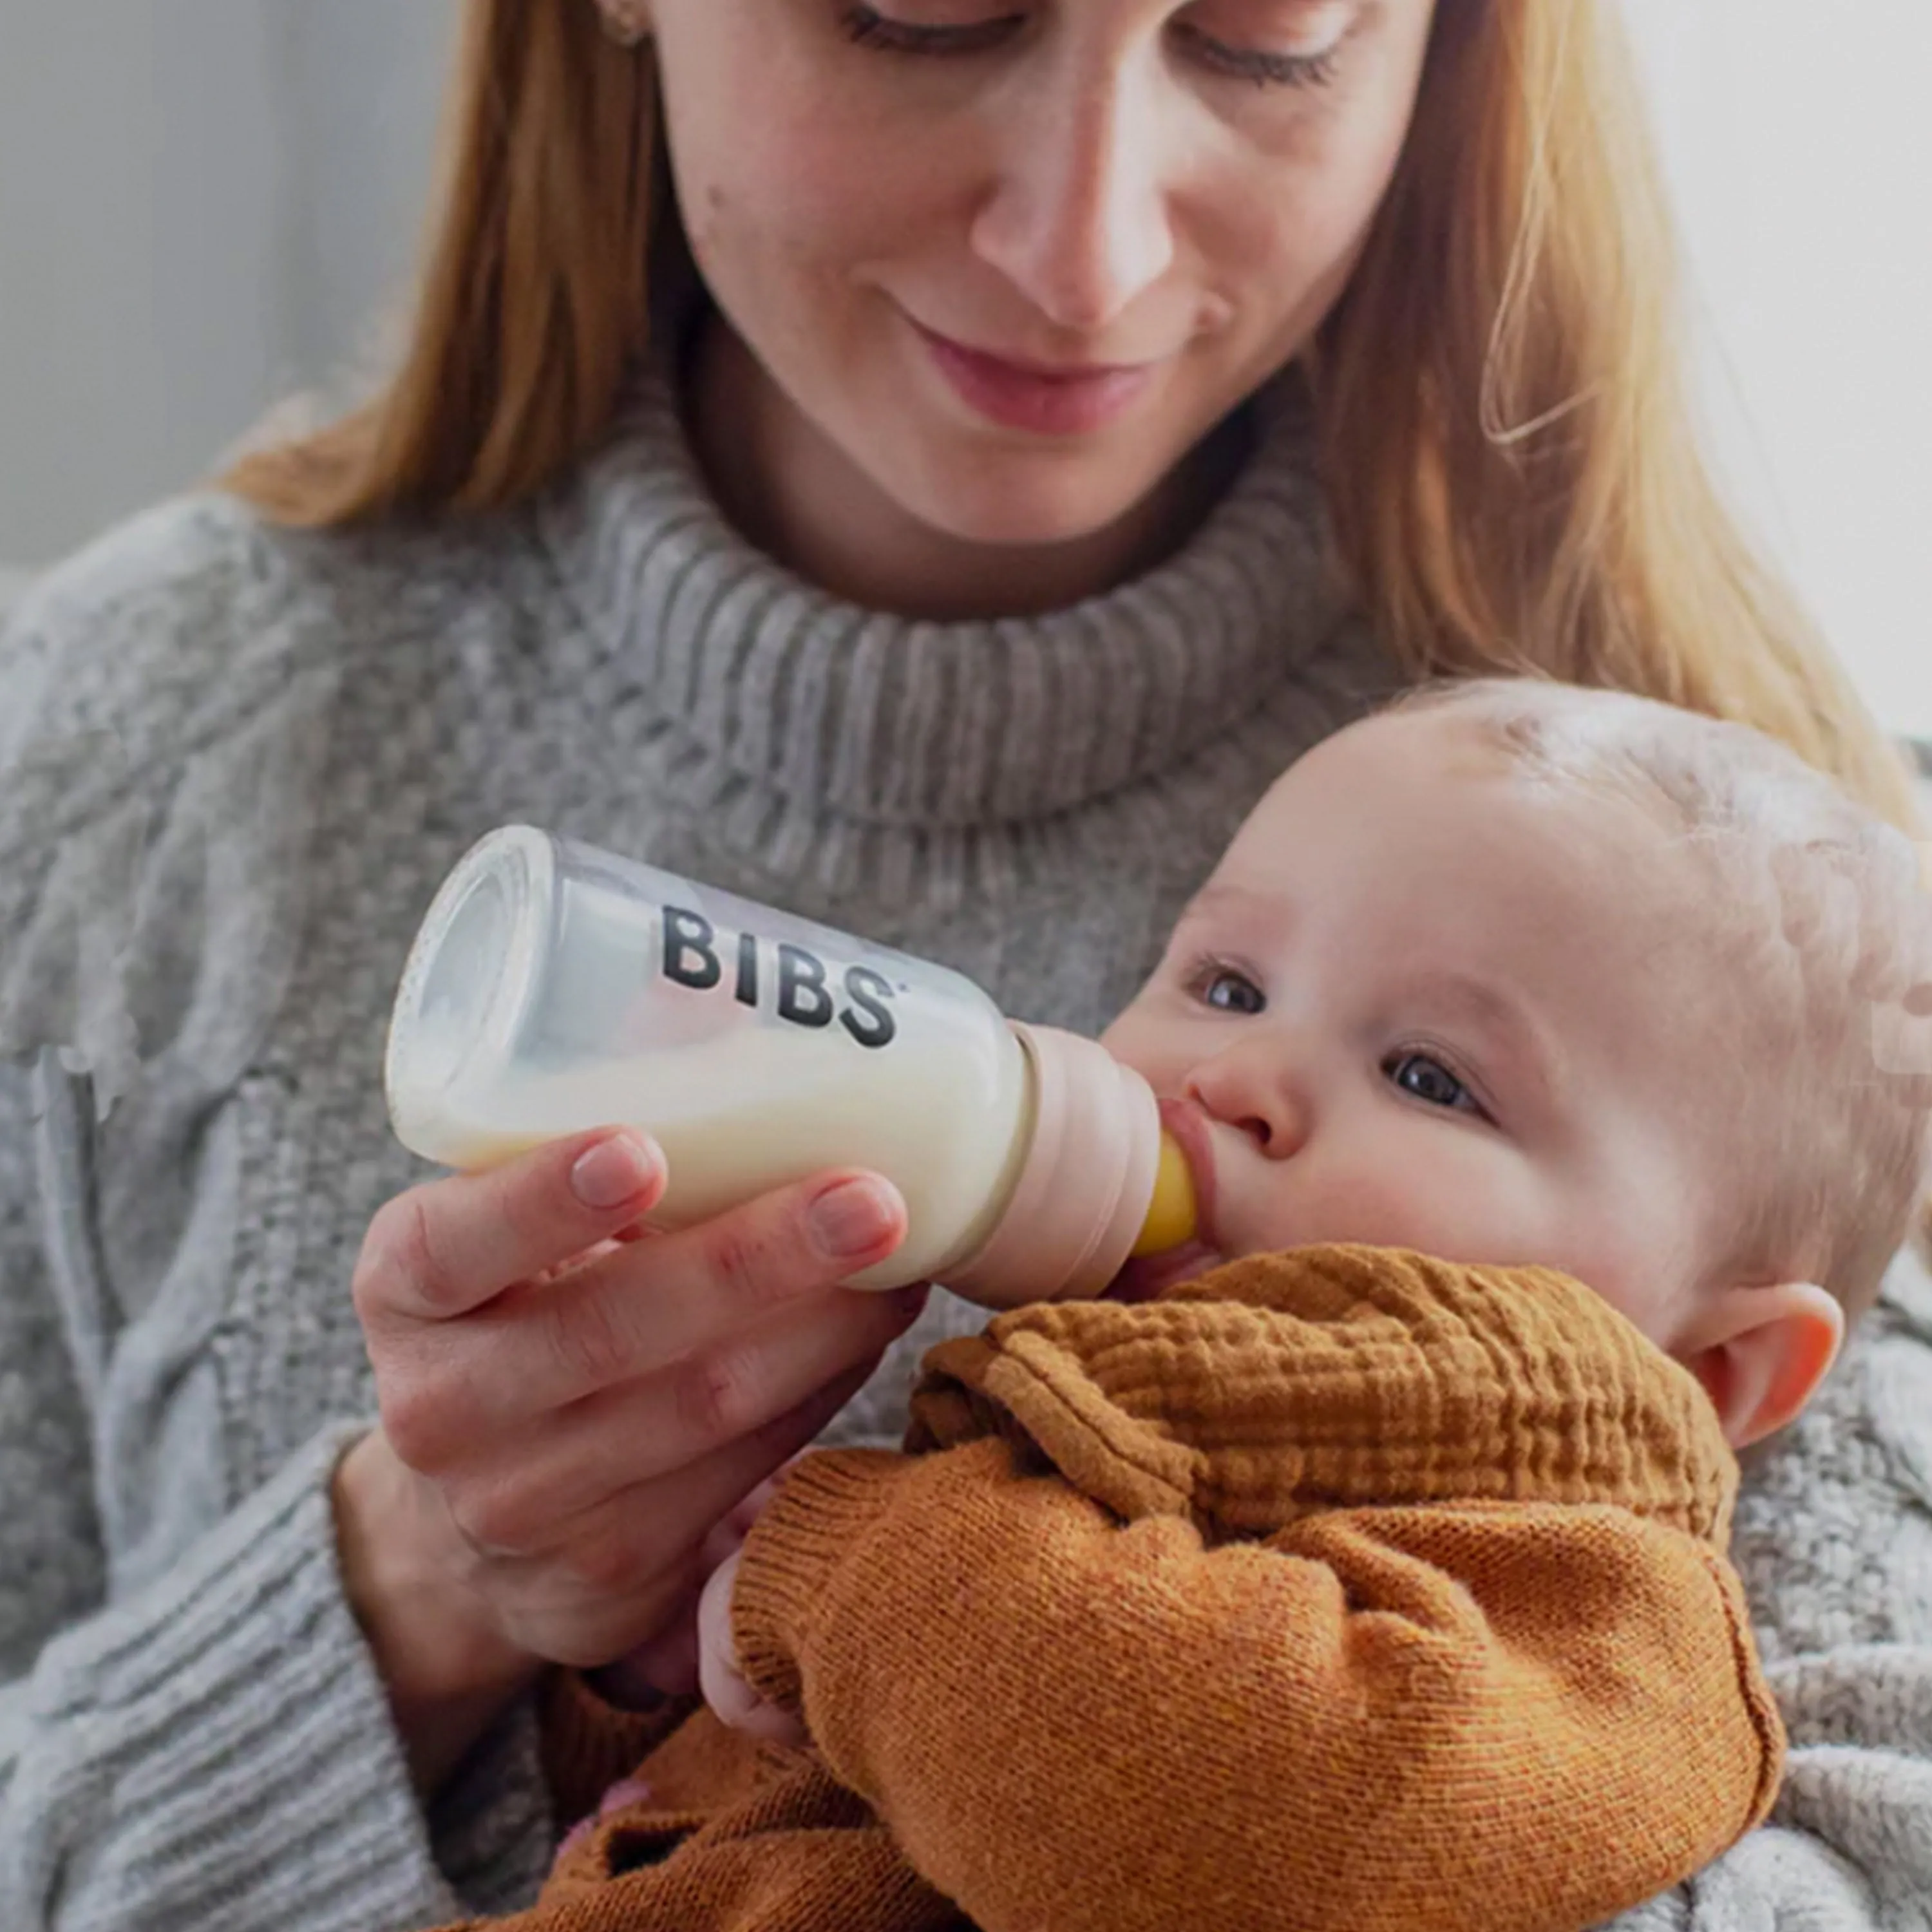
[(1341, 1589)]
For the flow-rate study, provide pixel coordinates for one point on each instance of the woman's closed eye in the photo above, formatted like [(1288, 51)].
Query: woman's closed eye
[(1304, 54), (886, 32)]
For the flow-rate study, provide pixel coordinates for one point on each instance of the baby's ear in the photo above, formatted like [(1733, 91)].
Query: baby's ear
[(1760, 1353)]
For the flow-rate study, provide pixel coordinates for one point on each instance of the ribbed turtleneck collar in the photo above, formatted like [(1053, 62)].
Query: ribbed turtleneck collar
[(905, 721)]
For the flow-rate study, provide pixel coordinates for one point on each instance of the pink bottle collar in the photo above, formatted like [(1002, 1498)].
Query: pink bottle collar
[(1085, 1182)]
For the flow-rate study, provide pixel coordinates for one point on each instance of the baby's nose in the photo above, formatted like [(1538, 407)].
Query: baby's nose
[(1245, 1089)]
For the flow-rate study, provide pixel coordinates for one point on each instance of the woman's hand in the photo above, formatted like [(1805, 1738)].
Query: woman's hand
[(568, 1410)]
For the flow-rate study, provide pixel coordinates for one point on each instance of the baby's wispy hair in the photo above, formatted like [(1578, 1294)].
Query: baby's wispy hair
[(1819, 940)]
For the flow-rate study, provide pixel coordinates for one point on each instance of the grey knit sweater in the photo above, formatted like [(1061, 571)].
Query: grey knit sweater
[(234, 764)]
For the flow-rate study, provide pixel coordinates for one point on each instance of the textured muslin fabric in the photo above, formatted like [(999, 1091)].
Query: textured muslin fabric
[(1344, 1587)]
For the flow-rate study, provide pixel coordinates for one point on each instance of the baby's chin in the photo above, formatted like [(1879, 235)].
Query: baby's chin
[(1149, 1277)]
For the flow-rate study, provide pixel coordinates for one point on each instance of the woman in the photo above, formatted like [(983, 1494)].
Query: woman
[(934, 480)]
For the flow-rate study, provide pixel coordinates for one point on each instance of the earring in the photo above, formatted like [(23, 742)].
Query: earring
[(622, 23)]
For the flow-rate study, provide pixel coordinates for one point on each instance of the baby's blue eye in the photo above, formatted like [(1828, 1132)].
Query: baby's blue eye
[(1429, 1080), (1228, 991)]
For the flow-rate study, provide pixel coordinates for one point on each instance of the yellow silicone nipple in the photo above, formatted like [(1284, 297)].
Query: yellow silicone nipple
[(1172, 1214)]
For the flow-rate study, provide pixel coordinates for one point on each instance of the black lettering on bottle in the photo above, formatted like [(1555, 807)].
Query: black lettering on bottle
[(866, 1019), (747, 992), (803, 998), (690, 952)]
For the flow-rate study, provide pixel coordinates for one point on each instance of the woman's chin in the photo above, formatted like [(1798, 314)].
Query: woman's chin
[(994, 489), (1011, 506)]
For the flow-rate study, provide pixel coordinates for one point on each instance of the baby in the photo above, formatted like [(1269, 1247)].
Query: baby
[(1360, 1564)]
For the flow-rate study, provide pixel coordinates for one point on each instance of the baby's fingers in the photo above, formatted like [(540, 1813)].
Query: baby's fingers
[(735, 1704)]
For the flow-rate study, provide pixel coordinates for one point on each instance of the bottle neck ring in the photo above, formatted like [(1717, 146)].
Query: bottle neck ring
[(1084, 1185)]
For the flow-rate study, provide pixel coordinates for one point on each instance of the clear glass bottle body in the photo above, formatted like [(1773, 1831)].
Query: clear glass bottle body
[(555, 988)]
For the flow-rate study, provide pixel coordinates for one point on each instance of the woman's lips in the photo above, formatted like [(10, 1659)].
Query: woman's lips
[(1143, 1279), (1023, 396)]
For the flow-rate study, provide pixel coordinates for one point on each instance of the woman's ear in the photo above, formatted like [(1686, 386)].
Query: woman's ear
[(1760, 1353)]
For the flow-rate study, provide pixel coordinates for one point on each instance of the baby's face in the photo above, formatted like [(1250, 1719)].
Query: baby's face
[(1420, 1005)]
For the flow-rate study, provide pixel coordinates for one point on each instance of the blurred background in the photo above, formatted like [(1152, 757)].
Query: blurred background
[(206, 204)]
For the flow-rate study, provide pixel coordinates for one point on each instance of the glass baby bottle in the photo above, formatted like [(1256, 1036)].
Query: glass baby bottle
[(554, 988)]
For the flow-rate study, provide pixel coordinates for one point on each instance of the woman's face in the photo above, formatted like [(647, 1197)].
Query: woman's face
[(1008, 261)]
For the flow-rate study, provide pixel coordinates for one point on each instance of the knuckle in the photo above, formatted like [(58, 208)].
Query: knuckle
[(415, 1418), (494, 1518), (741, 1258), (587, 1337), (717, 1395), (400, 1257), (372, 1285), (605, 1564)]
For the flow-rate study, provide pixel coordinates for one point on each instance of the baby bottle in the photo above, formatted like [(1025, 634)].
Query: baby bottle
[(554, 988)]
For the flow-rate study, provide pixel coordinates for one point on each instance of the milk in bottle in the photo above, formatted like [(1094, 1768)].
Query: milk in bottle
[(555, 988)]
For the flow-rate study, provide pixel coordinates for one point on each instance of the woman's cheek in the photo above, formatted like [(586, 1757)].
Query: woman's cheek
[(832, 182)]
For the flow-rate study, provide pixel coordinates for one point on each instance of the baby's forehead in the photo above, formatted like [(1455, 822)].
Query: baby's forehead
[(1421, 848), (1396, 795)]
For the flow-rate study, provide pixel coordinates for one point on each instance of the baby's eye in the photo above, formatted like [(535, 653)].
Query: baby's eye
[(1228, 991), (1428, 1079)]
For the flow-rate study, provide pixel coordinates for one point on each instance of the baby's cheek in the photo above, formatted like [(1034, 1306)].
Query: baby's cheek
[(1299, 1210), (1438, 1199), (1161, 1052)]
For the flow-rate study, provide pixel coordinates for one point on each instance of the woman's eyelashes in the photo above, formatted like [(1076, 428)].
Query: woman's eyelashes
[(1263, 66), (867, 27), (884, 32)]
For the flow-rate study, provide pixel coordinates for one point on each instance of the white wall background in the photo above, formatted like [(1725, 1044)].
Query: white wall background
[(203, 203), (1799, 140)]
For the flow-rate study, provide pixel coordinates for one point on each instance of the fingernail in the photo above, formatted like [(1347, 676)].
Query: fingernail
[(852, 1218), (613, 1172)]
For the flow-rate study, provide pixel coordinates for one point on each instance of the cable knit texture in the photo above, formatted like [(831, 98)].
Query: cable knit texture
[(234, 763), (1344, 1587)]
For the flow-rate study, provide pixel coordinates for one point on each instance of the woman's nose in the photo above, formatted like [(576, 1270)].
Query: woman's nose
[(1250, 1089), (1079, 220)]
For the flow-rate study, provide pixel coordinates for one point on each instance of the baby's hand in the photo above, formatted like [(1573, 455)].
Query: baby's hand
[(666, 1666), (733, 1699), (620, 1797)]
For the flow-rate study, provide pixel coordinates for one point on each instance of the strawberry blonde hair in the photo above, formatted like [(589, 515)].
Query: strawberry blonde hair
[(1507, 444)]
